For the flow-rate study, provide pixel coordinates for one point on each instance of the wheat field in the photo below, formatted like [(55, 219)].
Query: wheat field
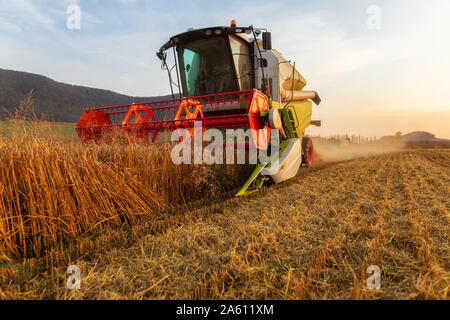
[(309, 238), (53, 189)]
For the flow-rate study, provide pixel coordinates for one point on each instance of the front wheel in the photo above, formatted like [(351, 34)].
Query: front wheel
[(308, 151)]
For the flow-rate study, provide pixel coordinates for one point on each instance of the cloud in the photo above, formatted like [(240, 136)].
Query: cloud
[(25, 13), (8, 26), (90, 19), (128, 2)]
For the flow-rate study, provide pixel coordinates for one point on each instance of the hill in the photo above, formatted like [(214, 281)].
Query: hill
[(419, 136), (57, 101)]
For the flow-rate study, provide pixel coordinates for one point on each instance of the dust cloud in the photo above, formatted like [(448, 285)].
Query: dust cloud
[(329, 151)]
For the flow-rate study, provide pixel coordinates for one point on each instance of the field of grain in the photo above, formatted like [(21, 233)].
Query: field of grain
[(54, 189), (309, 238)]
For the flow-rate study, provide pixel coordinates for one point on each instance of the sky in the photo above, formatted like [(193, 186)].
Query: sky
[(379, 66)]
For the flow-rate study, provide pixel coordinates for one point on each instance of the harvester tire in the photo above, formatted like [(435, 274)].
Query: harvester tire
[(308, 152)]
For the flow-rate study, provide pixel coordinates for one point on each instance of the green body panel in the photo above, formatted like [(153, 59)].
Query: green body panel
[(255, 182), (296, 117), (300, 120), (244, 190), (288, 117)]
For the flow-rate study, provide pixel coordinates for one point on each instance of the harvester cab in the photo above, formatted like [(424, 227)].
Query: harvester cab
[(225, 77)]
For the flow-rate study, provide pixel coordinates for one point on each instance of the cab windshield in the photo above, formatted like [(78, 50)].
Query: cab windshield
[(206, 67)]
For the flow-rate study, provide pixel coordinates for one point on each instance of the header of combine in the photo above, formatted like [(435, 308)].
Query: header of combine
[(227, 77)]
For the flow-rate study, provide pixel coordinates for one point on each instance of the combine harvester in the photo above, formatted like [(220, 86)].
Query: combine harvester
[(227, 77)]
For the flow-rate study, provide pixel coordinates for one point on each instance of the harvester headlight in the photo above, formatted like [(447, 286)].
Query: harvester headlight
[(208, 32), (238, 30), (218, 31)]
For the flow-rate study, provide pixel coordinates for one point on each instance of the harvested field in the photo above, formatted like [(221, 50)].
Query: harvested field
[(309, 238)]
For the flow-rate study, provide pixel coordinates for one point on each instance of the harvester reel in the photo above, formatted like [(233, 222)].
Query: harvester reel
[(136, 127), (260, 135), (196, 113), (93, 125)]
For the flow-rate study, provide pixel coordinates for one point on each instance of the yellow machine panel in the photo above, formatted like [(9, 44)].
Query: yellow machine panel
[(303, 111)]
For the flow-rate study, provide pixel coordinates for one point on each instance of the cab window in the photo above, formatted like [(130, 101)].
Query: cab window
[(206, 67), (242, 62)]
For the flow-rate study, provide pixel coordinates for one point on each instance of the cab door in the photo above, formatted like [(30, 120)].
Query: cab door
[(243, 62)]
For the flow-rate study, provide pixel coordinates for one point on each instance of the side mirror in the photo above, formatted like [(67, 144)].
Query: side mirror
[(267, 40), (161, 55)]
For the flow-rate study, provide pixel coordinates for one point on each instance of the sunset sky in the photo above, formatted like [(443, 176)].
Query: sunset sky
[(372, 81)]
